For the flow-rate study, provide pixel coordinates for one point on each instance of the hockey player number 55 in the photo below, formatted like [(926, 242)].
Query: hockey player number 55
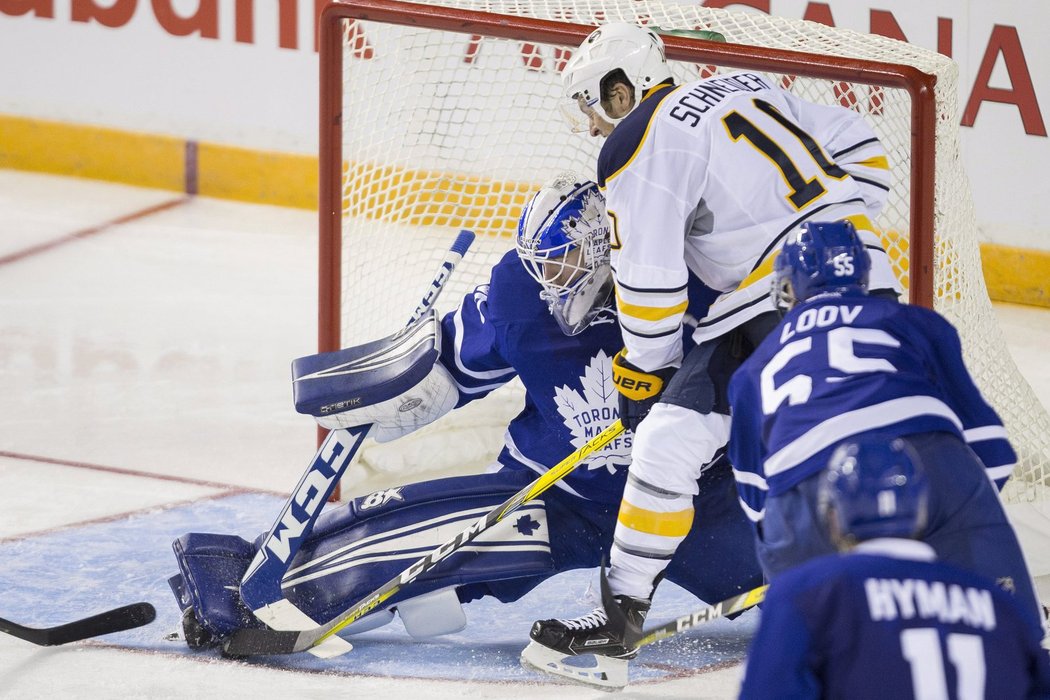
[(841, 356)]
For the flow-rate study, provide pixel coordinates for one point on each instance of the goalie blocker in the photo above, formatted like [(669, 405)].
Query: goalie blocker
[(394, 383)]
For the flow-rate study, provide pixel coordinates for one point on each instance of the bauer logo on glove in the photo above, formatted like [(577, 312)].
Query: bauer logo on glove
[(639, 389), (633, 382)]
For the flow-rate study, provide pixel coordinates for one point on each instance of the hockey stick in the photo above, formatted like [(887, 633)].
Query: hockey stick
[(252, 642), (116, 620), (729, 606), (636, 637), (610, 673), (261, 584)]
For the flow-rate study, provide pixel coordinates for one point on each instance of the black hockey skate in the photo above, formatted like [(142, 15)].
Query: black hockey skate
[(605, 635), (193, 632)]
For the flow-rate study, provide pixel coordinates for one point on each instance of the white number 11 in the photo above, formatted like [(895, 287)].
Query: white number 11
[(922, 650)]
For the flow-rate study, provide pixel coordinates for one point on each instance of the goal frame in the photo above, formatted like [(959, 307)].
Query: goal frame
[(919, 85)]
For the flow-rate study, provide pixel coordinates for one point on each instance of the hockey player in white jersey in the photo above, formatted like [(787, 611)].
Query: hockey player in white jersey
[(843, 364), (544, 316), (705, 178), (887, 618)]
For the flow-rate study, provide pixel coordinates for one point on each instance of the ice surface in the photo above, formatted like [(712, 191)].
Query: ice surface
[(144, 381)]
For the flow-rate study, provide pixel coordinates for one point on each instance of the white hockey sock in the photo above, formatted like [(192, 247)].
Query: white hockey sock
[(671, 447), (651, 525)]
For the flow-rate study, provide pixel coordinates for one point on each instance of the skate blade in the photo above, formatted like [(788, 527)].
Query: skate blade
[(609, 674)]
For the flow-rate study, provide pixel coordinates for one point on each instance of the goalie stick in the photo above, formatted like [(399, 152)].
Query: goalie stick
[(253, 642), (260, 587), (116, 620)]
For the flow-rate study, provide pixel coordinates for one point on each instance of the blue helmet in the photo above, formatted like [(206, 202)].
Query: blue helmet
[(817, 258), (563, 242), (873, 488)]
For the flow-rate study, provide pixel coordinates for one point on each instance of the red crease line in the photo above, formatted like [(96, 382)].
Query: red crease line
[(131, 472), (91, 231)]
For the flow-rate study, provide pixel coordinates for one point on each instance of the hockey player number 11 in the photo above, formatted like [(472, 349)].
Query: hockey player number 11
[(803, 191), (921, 648)]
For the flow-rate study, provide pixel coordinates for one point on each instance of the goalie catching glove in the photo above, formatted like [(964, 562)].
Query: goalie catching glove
[(395, 383), (638, 389)]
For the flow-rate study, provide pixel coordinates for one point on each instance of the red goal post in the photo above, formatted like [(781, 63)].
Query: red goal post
[(929, 227)]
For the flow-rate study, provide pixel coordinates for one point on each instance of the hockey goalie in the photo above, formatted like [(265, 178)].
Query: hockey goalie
[(546, 316)]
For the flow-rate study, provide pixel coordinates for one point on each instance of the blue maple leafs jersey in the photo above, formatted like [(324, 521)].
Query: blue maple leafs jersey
[(503, 329), (843, 365), (886, 621)]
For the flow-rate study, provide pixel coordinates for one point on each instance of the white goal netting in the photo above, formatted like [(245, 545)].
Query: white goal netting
[(443, 130)]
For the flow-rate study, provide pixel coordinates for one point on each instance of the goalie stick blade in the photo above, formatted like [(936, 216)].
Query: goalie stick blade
[(261, 642), (116, 620)]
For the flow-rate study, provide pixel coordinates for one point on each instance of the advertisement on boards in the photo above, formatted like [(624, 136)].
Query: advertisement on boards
[(244, 73)]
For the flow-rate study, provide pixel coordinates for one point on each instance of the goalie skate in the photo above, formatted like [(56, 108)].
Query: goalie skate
[(557, 645)]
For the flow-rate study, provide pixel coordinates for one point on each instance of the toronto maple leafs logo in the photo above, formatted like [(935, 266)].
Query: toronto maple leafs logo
[(588, 414)]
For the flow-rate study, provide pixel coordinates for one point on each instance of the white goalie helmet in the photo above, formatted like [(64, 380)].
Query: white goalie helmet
[(563, 242), (638, 51)]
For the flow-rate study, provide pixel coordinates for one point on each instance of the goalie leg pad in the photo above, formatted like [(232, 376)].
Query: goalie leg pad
[(433, 614), (356, 548)]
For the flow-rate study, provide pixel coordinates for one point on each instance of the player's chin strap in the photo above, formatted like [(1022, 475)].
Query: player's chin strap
[(260, 587), (322, 641)]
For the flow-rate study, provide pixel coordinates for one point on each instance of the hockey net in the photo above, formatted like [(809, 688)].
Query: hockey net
[(435, 119)]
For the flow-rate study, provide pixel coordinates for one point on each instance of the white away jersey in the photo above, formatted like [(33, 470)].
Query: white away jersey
[(710, 177), (841, 365)]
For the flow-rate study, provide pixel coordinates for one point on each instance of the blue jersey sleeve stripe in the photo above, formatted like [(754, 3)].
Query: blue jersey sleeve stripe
[(752, 514), (987, 432), (840, 427), (1000, 473), (750, 479)]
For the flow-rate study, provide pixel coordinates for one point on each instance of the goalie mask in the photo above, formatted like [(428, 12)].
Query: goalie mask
[(563, 242), (638, 51)]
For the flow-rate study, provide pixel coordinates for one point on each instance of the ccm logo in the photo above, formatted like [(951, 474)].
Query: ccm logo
[(628, 383)]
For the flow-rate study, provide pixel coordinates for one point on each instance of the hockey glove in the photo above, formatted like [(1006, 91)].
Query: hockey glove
[(639, 389)]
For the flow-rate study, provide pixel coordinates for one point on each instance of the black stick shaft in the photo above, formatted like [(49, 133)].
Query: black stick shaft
[(116, 620)]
